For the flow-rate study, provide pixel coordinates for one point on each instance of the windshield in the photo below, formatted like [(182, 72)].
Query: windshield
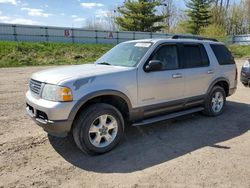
[(125, 54)]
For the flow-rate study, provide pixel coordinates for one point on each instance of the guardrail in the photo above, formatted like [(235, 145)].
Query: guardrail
[(241, 39)]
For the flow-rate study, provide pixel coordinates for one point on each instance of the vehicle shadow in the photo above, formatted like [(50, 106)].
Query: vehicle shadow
[(146, 146)]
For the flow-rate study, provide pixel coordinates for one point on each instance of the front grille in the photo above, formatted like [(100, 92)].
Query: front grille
[(35, 86)]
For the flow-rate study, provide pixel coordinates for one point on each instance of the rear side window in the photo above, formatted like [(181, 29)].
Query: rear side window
[(195, 56), (222, 54)]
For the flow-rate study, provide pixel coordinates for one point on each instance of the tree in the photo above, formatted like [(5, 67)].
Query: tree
[(104, 20), (170, 10), (94, 24), (199, 15), (214, 31), (219, 15), (181, 26), (233, 17), (248, 14), (237, 19), (140, 16)]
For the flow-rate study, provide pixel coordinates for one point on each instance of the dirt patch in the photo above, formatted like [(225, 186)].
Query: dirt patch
[(191, 151)]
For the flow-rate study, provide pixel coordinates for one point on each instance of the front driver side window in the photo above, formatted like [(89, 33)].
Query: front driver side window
[(168, 56)]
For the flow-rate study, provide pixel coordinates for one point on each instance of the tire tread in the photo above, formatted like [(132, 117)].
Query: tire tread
[(82, 117), (208, 110)]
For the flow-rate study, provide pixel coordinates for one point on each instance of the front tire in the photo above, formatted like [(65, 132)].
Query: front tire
[(98, 128), (215, 102)]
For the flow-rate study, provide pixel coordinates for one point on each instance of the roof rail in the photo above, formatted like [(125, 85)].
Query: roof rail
[(193, 37)]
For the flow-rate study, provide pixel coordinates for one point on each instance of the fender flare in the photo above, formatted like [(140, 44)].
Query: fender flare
[(95, 94), (216, 81)]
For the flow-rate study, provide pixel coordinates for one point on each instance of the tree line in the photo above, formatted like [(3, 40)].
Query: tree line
[(213, 18)]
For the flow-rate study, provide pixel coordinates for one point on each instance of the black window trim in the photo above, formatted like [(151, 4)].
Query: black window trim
[(157, 48)]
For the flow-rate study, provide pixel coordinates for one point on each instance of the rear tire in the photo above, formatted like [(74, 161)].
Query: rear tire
[(215, 101), (98, 128)]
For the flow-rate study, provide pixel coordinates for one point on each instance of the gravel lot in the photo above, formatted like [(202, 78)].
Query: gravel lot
[(191, 151)]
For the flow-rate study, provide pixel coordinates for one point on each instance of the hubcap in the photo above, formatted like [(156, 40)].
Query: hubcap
[(217, 102), (103, 131)]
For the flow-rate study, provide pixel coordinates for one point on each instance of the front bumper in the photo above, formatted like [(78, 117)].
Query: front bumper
[(51, 116)]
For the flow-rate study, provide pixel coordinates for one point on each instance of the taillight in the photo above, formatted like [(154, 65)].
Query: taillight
[(236, 74)]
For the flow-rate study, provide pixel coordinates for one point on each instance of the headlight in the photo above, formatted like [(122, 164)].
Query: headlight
[(247, 64), (56, 93)]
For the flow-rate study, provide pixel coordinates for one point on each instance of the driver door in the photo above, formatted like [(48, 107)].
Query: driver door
[(165, 85)]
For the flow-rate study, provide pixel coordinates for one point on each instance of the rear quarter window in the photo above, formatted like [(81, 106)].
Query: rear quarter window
[(222, 54)]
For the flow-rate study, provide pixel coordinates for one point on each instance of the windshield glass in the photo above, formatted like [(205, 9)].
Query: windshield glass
[(125, 54)]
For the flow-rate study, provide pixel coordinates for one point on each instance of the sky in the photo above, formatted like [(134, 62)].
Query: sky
[(64, 13)]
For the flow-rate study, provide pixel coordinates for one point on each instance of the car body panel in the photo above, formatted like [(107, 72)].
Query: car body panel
[(159, 87), (59, 74)]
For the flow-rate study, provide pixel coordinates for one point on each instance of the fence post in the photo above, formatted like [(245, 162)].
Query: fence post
[(73, 37), (133, 35), (14, 32), (117, 37), (46, 34), (96, 41)]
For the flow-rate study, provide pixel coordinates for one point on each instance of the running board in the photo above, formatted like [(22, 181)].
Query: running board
[(168, 116)]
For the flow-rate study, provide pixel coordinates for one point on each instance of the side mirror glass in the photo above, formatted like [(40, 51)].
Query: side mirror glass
[(153, 65)]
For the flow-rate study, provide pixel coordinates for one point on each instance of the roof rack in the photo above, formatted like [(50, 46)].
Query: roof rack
[(193, 37)]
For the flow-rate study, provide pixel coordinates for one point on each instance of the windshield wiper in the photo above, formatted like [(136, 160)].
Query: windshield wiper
[(104, 63)]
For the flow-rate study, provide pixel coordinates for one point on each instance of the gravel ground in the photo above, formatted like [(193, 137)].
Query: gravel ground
[(191, 151)]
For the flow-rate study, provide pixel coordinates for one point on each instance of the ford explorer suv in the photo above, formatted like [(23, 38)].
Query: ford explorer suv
[(136, 83)]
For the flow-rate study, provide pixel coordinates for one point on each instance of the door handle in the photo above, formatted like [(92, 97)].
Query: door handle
[(177, 75), (210, 71)]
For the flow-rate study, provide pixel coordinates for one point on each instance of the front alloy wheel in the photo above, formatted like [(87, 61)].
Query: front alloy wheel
[(98, 128), (103, 131)]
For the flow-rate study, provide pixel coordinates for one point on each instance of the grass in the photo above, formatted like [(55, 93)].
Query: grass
[(240, 51), (16, 54)]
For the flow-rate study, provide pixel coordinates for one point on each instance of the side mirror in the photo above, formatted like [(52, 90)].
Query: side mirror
[(153, 65)]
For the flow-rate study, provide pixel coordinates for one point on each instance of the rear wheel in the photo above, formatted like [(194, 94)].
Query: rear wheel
[(98, 129), (215, 102)]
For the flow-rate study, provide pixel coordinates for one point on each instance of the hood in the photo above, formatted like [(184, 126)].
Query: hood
[(56, 75)]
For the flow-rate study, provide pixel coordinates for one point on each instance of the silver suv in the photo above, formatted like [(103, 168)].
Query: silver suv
[(138, 82)]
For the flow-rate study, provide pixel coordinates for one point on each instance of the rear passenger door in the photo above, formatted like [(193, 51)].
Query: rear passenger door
[(198, 71)]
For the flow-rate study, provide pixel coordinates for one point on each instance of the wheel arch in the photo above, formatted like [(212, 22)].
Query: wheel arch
[(122, 101), (223, 82)]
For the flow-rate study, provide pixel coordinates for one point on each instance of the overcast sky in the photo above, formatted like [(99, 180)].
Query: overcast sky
[(57, 12)]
